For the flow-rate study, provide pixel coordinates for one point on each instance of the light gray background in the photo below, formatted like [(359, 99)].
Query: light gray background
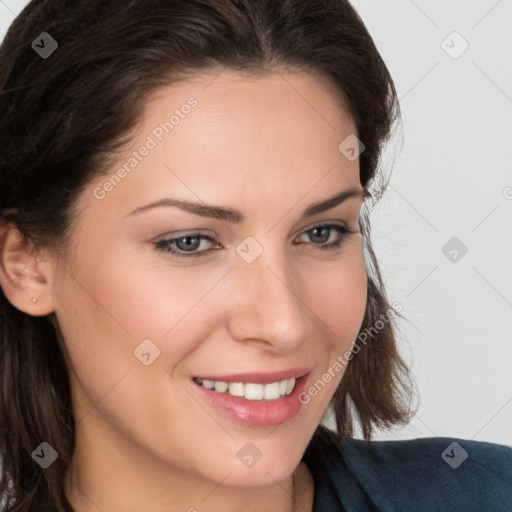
[(451, 177)]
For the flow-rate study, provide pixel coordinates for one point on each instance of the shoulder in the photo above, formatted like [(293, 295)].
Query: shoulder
[(419, 474)]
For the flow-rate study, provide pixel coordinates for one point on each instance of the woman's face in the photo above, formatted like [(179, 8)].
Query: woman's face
[(247, 298)]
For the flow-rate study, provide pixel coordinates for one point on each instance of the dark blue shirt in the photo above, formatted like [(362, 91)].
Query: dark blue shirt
[(418, 475)]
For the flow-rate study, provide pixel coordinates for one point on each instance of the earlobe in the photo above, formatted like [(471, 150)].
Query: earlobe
[(24, 278)]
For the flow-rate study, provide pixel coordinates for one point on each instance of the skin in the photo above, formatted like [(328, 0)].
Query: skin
[(146, 440)]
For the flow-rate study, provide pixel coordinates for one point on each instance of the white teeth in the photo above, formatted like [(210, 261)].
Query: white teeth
[(236, 389), (251, 391), (271, 391), (221, 387), (208, 384)]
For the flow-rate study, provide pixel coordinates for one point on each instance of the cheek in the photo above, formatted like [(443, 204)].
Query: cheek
[(339, 297), (107, 310), (342, 300), (130, 298)]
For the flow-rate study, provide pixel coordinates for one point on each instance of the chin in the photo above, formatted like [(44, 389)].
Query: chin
[(260, 475)]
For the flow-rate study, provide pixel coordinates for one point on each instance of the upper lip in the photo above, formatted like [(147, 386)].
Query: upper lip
[(259, 377)]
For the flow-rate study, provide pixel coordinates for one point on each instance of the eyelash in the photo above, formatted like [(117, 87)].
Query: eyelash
[(165, 245)]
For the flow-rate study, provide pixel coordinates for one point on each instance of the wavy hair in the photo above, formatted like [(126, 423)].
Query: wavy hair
[(63, 119)]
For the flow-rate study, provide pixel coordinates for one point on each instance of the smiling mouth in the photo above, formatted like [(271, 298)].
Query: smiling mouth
[(250, 390)]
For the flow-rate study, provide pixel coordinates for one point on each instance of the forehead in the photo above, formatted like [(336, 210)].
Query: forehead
[(237, 137), (311, 97)]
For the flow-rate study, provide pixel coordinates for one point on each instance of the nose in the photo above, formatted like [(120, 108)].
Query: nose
[(268, 306)]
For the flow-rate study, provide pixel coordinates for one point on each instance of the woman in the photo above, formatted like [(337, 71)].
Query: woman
[(187, 275)]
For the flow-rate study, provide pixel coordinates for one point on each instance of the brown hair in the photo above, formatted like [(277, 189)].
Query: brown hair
[(63, 118)]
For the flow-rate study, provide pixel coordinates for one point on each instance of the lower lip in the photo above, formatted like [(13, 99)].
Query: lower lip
[(259, 413)]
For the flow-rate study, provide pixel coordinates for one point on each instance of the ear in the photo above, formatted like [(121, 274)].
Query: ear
[(24, 276)]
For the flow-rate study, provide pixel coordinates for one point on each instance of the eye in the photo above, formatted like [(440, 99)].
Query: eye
[(329, 236), (185, 246), (195, 245)]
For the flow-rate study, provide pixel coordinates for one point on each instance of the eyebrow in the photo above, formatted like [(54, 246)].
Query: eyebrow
[(234, 216)]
